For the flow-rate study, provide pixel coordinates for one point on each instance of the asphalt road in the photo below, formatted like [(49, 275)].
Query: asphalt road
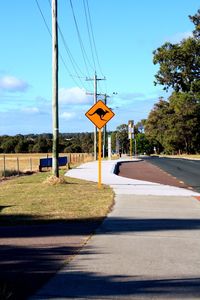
[(186, 170)]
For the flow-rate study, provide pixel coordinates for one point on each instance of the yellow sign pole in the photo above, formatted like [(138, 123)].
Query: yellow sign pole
[(99, 114), (99, 163)]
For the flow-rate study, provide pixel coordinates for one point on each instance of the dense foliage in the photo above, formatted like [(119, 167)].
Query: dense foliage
[(180, 63), (42, 143), (140, 143), (173, 125)]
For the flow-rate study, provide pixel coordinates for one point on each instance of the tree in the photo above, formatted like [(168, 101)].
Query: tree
[(22, 146), (8, 144), (180, 63), (87, 143), (156, 125), (196, 20), (122, 137), (42, 145), (144, 146), (174, 125), (186, 121)]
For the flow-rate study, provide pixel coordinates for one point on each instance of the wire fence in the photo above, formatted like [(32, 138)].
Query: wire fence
[(16, 164)]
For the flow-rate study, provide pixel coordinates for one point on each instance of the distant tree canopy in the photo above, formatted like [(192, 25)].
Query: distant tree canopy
[(121, 141), (42, 143), (180, 63), (173, 125)]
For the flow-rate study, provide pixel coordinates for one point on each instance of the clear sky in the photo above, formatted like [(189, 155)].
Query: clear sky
[(126, 32)]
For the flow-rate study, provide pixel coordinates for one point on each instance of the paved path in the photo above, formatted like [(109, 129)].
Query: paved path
[(31, 254), (147, 248), (121, 185)]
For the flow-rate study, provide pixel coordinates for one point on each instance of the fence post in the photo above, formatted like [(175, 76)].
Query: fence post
[(47, 162), (18, 165), (30, 160), (4, 166)]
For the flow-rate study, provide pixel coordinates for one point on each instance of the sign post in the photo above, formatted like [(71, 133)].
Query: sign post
[(131, 135), (99, 168), (109, 147), (99, 114)]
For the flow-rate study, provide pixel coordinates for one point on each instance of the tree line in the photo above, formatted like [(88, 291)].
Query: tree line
[(42, 143), (173, 125)]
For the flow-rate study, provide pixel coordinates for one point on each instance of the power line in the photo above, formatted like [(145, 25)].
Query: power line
[(66, 48), (47, 27), (85, 57), (89, 35), (73, 62), (92, 32), (71, 58)]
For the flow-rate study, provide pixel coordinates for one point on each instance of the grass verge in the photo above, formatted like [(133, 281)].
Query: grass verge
[(188, 156), (34, 199)]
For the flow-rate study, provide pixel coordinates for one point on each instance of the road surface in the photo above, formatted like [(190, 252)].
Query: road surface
[(186, 170)]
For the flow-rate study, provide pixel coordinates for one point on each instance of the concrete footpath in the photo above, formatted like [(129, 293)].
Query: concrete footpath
[(147, 248)]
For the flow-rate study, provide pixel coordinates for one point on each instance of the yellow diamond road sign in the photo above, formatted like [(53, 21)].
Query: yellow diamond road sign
[(99, 114)]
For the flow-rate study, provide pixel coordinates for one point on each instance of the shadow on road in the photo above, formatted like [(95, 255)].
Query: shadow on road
[(30, 255)]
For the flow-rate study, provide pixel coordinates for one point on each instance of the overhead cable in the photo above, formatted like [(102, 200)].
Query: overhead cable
[(92, 32), (85, 57), (61, 57)]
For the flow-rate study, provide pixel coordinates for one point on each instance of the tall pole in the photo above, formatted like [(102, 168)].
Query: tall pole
[(99, 161), (130, 134), (95, 128), (131, 146), (95, 94), (104, 131), (55, 167), (135, 147)]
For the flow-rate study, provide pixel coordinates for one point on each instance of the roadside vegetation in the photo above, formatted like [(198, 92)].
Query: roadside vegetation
[(42, 143), (173, 125), (39, 199)]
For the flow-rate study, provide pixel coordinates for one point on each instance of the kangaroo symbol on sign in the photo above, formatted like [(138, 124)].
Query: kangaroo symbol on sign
[(100, 112)]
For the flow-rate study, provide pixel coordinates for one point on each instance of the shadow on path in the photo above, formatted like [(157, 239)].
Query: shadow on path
[(80, 285), (30, 255)]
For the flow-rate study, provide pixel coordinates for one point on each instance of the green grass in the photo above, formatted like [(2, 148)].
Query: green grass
[(28, 200)]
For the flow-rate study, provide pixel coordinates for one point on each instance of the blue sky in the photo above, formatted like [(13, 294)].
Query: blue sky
[(126, 33)]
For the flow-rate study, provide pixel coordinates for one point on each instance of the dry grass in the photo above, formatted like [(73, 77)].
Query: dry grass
[(28, 200), (24, 162), (53, 180), (188, 156)]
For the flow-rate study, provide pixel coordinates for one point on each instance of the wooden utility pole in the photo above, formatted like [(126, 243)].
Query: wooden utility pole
[(55, 166), (95, 128), (105, 130), (131, 135), (95, 79)]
